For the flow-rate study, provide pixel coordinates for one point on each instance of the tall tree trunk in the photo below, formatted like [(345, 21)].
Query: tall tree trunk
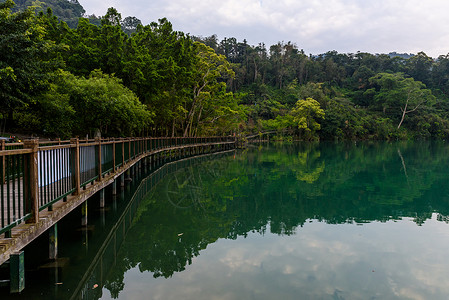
[(404, 111), (255, 69)]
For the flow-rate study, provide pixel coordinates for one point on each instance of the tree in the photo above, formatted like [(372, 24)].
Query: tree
[(158, 66), (112, 17), (440, 74), (306, 115), (26, 59), (419, 67), (84, 54), (400, 95), (52, 114), (208, 90), (102, 103)]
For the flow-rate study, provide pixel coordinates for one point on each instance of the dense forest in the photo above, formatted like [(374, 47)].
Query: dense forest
[(63, 74)]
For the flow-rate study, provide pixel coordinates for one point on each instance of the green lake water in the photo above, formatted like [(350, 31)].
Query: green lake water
[(365, 220)]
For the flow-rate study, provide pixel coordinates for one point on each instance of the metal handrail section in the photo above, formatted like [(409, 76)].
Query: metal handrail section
[(35, 175)]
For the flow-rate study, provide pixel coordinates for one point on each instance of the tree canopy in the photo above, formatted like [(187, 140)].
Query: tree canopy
[(203, 86)]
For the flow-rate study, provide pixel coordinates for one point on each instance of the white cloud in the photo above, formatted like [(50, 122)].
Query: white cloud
[(377, 260), (316, 25)]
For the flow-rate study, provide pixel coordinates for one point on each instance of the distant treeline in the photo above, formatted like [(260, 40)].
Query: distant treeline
[(119, 77), (357, 95)]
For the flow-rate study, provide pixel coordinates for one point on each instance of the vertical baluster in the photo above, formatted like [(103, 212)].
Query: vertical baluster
[(8, 189), (41, 192), (59, 171), (19, 190), (53, 175), (50, 163), (44, 176), (62, 165), (2, 190), (14, 177), (47, 175), (65, 188), (3, 162)]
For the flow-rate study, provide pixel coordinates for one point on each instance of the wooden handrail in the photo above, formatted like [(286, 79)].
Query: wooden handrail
[(69, 166)]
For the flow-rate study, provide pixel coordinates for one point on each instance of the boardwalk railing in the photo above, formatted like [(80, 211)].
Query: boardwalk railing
[(34, 175)]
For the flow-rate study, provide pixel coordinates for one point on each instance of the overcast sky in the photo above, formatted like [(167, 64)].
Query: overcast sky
[(317, 26)]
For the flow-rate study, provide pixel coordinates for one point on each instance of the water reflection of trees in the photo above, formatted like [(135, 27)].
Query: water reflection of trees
[(281, 187)]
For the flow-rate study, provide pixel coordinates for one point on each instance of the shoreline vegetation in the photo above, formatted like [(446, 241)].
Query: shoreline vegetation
[(65, 74)]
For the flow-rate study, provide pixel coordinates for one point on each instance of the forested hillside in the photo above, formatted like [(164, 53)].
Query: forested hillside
[(124, 78), (68, 11), (63, 82), (358, 95)]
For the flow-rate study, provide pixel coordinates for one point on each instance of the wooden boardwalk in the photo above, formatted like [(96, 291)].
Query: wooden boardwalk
[(60, 195)]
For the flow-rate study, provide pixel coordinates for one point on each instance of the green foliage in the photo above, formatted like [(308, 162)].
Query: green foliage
[(53, 113), (306, 116), (210, 101), (343, 121), (398, 96), (102, 102), (25, 59), (84, 54), (304, 119), (78, 106), (273, 83), (227, 86)]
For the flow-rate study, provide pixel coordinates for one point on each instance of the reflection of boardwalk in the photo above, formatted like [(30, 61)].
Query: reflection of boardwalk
[(106, 255)]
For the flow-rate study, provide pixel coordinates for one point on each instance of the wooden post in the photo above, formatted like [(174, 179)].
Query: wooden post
[(53, 242), (98, 140), (17, 272), (123, 153), (76, 166), (140, 146), (3, 147), (136, 145), (31, 181), (113, 157)]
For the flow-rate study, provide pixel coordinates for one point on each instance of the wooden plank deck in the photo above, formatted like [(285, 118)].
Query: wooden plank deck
[(24, 233)]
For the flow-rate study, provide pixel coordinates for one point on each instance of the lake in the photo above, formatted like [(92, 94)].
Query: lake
[(355, 220)]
